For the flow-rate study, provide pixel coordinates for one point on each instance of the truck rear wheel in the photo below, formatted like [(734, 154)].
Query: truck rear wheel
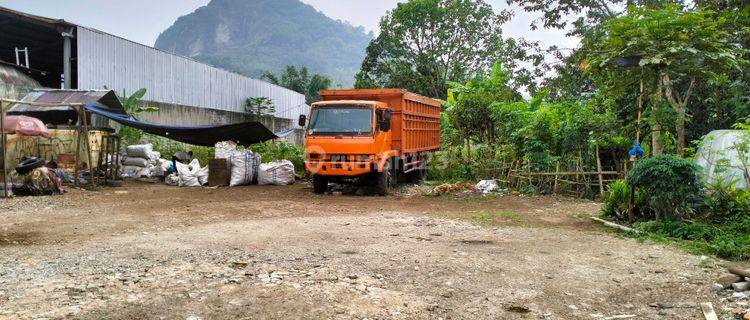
[(320, 184)]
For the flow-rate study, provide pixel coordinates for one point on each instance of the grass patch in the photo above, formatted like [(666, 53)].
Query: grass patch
[(728, 240), (487, 217)]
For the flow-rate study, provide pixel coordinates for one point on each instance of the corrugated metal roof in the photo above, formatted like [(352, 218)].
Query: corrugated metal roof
[(51, 96), (35, 18), (12, 76)]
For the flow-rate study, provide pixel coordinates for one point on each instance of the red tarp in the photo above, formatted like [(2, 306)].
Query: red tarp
[(25, 126)]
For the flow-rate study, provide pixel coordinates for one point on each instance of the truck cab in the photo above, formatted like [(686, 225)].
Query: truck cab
[(355, 140)]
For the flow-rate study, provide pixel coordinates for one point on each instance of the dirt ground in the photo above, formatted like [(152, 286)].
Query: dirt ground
[(261, 252)]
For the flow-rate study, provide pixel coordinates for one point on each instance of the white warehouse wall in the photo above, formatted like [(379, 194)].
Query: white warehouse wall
[(104, 59)]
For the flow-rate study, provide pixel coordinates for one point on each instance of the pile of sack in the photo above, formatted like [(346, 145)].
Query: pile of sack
[(141, 161), (188, 175), (246, 168)]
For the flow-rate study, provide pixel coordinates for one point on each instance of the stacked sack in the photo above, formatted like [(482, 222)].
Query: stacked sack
[(141, 161), (246, 167), (243, 164)]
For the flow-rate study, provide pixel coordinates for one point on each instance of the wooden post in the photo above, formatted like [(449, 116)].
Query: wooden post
[(528, 174), (5, 149), (556, 187), (78, 152), (599, 170), (88, 144), (578, 169)]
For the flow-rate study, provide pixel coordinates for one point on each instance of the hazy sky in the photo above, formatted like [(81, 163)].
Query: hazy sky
[(143, 20)]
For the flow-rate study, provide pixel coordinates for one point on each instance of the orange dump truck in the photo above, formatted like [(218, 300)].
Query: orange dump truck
[(373, 136)]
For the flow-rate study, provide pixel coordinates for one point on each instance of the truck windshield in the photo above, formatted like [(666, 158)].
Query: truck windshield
[(341, 120)]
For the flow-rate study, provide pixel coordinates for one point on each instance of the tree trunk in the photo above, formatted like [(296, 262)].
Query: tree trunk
[(656, 146), (681, 114), (679, 104)]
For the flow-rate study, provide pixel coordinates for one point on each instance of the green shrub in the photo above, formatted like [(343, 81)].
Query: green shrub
[(617, 199), (281, 150), (446, 169), (673, 184), (167, 148), (724, 202)]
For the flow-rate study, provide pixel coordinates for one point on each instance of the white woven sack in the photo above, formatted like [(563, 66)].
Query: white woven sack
[(279, 173)]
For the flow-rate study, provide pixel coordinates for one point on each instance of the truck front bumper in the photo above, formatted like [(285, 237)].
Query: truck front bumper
[(349, 168)]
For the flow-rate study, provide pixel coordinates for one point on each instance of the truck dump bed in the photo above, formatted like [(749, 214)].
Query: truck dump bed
[(415, 119)]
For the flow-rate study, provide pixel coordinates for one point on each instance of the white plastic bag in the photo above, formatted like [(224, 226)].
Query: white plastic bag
[(487, 186), (154, 157), (172, 179), (188, 174), (140, 150), (280, 172), (224, 149), (137, 172), (243, 167), (202, 175), (136, 162)]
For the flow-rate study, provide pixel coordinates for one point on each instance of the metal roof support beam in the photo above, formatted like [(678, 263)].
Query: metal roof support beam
[(67, 61)]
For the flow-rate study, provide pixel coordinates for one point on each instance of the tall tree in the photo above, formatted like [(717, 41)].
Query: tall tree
[(299, 80), (679, 48), (259, 107), (579, 16), (424, 43)]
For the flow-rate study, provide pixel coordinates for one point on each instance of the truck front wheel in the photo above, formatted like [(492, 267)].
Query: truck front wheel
[(385, 179), (320, 184)]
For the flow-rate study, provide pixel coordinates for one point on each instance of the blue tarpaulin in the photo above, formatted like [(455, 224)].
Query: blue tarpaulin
[(245, 133)]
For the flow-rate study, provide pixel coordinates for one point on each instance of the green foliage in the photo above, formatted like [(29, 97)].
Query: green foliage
[(259, 107), (617, 202), (730, 240), (617, 199), (423, 44), (167, 148), (299, 80), (678, 52), (281, 150), (446, 167), (724, 202), (131, 105), (673, 184)]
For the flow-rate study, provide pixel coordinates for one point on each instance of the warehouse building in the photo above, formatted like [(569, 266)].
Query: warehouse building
[(59, 54)]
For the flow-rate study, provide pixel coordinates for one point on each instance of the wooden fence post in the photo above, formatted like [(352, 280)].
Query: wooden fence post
[(5, 148), (599, 169), (556, 187), (88, 143)]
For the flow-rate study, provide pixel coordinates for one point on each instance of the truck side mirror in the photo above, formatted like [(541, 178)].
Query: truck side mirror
[(302, 120), (384, 122)]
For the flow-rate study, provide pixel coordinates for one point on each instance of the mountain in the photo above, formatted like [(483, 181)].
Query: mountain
[(252, 36)]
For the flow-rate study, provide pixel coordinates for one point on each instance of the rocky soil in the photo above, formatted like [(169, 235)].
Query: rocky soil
[(157, 252)]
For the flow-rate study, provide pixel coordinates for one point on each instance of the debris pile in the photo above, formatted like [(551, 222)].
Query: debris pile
[(736, 288), (37, 181), (447, 188)]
